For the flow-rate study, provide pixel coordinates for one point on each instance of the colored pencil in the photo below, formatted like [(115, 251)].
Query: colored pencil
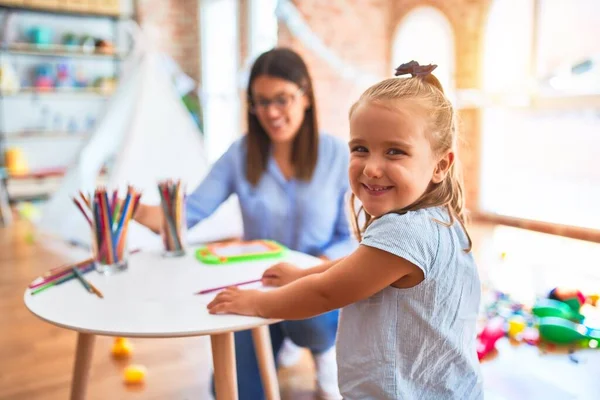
[(109, 220), (205, 291), (42, 280), (87, 284), (172, 205), (62, 279)]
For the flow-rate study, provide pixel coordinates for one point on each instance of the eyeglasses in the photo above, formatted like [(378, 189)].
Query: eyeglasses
[(281, 102)]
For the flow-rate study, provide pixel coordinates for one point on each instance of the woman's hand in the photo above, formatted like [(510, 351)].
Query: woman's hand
[(235, 301), (281, 274)]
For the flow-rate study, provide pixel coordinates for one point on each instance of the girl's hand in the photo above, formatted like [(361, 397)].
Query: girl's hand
[(281, 274), (235, 301)]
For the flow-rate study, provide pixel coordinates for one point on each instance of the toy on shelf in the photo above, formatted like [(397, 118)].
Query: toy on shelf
[(43, 78), (64, 76), (79, 78), (70, 41), (16, 163), (9, 81), (104, 47), (105, 84), (88, 44), (40, 35)]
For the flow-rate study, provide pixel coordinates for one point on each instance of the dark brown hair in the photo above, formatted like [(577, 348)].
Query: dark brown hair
[(288, 65)]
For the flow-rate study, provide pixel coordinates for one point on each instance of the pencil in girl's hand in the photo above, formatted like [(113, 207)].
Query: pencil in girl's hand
[(205, 291)]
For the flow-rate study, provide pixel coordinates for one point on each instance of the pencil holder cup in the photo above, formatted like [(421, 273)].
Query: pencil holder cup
[(173, 226), (107, 266), (109, 219)]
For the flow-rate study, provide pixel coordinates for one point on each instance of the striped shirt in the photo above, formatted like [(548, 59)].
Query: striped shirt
[(415, 343)]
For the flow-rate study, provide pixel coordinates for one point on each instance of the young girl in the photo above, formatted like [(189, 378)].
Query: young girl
[(411, 291)]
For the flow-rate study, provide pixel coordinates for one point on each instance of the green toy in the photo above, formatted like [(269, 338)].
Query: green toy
[(222, 253), (555, 308), (562, 331)]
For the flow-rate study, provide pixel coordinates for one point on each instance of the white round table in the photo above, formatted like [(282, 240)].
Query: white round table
[(154, 298)]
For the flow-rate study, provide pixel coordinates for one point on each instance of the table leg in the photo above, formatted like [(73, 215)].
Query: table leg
[(223, 352), (83, 362), (266, 361)]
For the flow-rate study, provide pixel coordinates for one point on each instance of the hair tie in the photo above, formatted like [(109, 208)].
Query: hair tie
[(414, 69)]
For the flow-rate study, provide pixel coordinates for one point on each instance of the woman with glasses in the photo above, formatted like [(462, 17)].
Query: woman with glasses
[(291, 183)]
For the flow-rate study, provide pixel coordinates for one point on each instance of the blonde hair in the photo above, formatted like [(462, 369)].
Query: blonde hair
[(442, 132)]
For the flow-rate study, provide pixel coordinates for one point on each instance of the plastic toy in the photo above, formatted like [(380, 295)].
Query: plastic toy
[(64, 75), (104, 46), (43, 77), (516, 325), (593, 299), (486, 341), (69, 39), (40, 35), (122, 348), (134, 374), (88, 44), (9, 81), (239, 251), (562, 331), (15, 161), (555, 308), (531, 336), (572, 297)]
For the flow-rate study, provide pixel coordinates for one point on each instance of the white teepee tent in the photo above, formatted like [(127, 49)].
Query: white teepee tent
[(149, 135)]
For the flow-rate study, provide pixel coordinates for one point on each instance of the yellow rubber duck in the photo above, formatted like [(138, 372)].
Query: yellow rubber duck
[(122, 348), (134, 374)]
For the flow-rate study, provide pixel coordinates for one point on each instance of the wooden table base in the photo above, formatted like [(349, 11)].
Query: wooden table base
[(223, 352), (83, 362), (266, 361)]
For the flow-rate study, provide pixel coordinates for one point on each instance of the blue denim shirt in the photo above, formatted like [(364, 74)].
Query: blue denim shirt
[(307, 216)]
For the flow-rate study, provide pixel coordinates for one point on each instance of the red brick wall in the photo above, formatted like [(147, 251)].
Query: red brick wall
[(173, 27)]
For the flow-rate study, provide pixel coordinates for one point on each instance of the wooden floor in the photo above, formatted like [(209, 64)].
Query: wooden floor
[(36, 358)]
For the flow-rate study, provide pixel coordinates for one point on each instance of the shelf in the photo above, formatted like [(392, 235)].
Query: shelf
[(44, 135), (68, 91), (57, 50), (40, 184), (40, 174), (56, 11)]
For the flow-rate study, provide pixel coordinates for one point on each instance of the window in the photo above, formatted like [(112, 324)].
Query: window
[(262, 27), (219, 44), (426, 36), (539, 154)]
